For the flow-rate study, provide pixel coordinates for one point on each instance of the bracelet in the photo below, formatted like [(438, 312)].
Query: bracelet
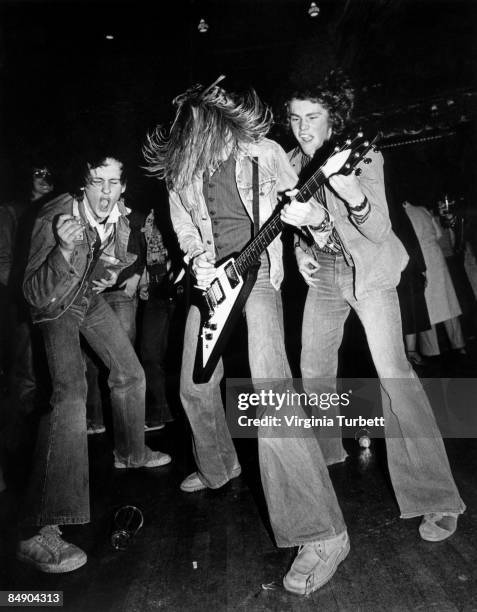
[(360, 207), (324, 225)]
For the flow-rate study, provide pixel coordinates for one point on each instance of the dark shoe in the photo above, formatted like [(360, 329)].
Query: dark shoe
[(155, 459), (315, 564), (48, 552), (193, 482), (438, 526)]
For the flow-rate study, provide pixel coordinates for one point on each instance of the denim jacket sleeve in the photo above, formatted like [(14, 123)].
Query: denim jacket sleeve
[(286, 175), (187, 232), (48, 276), (377, 225)]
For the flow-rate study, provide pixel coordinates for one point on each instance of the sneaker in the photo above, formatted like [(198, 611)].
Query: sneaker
[(315, 564), (438, 526), (48, 552), (155, 459), (153, 427), (193, 482), (95, 429)]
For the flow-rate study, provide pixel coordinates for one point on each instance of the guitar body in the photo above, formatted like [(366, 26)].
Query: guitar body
[(220, 307)]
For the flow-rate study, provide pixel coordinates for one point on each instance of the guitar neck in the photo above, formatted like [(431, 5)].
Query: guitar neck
[(274, 225)]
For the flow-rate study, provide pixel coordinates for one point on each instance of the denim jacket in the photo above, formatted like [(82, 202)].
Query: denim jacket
[(51, 284), (190, 216), (376, 253)]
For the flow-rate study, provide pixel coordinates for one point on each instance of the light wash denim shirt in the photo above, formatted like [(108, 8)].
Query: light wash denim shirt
[(374, 250), (190, 217)]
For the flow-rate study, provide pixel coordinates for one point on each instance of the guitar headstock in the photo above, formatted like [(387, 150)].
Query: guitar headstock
[(346, 157)]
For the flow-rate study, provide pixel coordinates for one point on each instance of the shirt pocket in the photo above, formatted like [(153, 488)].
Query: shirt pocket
[(267, 180)]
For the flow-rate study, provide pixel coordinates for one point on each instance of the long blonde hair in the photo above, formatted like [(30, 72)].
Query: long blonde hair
[(209, 124)]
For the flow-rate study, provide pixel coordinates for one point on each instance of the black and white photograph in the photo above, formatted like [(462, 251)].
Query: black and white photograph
[(238, 305)]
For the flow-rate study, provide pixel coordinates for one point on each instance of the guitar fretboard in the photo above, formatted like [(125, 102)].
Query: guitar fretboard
[(274, 225)]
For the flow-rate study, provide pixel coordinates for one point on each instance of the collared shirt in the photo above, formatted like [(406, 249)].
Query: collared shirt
[(104, 229)]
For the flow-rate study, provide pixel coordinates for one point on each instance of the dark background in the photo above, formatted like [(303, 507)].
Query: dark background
[(413, 63)]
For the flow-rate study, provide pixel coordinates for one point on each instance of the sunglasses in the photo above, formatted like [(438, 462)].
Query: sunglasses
[(44, 174)]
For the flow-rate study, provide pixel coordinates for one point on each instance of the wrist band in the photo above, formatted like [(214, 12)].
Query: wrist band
[(324, 225)]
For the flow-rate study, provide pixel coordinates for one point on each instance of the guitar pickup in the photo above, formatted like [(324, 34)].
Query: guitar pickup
[(232, 275), (217, 291)]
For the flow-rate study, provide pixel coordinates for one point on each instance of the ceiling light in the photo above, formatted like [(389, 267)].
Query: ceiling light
[(203, 26), (314, 10)]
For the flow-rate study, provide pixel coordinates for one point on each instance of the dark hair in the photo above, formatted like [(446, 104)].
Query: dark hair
[(334, 93), (94, 157), (33, 160)]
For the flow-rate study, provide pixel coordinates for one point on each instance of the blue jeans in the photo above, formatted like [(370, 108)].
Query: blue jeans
[(58, 492), (418, 464), (125, 309), (300, 497)]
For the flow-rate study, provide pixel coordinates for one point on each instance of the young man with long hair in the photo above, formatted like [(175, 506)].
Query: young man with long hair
[(206, 159)]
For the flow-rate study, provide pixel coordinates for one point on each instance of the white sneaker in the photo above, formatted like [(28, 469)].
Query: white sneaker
[(438, 526), (48, 552), (93, 429), (155, 459), (315, 564), (193, 482)]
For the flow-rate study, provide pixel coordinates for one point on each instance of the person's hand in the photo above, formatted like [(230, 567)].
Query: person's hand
[(301, 213), (348, 188), (105, 283), (144, 292), (307, 266), (69, 230), (203, 269), (130, 285)]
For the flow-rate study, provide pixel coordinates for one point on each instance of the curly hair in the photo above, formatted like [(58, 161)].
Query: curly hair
[(209, 123), (334, 93)]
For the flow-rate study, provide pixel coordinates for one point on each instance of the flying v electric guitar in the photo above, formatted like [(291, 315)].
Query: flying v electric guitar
[(222, 302)]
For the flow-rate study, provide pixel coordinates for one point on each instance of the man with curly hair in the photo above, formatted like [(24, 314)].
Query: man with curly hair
[(206, 159), (355, 261)]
